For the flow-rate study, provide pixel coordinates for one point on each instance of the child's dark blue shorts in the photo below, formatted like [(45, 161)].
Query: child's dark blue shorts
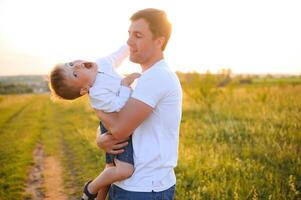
[(126, 156)]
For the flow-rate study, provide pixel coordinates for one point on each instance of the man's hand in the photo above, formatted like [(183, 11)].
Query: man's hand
[(109, 144), (128, 80)]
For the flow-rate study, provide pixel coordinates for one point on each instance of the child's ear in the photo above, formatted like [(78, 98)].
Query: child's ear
[(84, 91)]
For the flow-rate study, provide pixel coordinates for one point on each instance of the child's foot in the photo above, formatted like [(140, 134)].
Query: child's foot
[(86, 194)]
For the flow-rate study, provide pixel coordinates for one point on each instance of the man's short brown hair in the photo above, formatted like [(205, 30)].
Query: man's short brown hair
[(157, 21), (59, 84)]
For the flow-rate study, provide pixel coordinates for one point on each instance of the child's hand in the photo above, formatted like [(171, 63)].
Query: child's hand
[(128, 80)]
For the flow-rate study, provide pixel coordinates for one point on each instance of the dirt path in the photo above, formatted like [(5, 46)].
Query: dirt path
[(53, 179), (45, 178), (34, 184)]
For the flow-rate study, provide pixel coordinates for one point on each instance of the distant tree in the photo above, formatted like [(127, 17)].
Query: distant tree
[(14, 89), (224, 76)]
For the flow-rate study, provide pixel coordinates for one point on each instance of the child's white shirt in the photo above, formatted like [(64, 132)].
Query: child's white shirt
[(107, 93)]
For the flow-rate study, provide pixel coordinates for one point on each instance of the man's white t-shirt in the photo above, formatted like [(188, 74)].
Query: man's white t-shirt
[(156, 140)]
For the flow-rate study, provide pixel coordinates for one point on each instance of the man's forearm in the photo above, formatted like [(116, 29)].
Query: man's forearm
[(122, 124), (111, 122), (107, 118)]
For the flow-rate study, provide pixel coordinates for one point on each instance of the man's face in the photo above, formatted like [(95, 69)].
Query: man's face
[(142, 45), (81, 73)]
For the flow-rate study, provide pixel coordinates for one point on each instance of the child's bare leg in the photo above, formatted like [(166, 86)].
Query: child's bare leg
[(120, 171), (103, 191)]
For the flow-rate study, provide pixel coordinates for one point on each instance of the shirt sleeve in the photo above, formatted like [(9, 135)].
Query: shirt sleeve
[(149, 90), (108, 101), (116, 58)]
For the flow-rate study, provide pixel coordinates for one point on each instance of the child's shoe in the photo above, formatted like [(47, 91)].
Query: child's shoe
[(86, 194)]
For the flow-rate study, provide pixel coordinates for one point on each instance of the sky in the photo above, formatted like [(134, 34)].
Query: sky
[(246, 36)]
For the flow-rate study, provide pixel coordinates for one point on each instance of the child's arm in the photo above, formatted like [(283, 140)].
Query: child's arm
[(117, 57)]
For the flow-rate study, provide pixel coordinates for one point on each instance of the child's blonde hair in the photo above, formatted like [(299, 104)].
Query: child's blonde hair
[(59, 84)]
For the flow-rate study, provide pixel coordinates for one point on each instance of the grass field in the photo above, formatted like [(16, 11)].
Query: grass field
[(245, 145)]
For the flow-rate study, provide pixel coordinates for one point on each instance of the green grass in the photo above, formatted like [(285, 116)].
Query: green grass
[(246, 146), (20, 131)]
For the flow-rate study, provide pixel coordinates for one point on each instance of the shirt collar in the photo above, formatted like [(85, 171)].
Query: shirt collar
[(159, 63)]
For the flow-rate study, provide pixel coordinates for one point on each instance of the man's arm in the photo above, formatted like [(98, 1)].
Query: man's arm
[(122, 124)]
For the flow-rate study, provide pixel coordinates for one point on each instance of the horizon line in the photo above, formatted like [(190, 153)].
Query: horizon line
[(187, 72)]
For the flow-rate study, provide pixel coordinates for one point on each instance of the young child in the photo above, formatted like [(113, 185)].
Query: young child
[(107, 92)]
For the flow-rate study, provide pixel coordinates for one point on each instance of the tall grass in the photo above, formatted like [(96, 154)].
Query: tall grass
[(245, 146)]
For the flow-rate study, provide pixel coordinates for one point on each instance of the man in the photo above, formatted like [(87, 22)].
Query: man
[(152, 115)]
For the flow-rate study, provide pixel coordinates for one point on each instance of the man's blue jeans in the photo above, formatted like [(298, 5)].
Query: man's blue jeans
[(116, 193)]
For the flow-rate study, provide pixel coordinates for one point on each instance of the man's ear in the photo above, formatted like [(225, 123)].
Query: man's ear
[(160, 41), (84, 91)]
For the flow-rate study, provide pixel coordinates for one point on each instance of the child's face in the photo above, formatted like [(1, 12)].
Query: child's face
[(81, 73)]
